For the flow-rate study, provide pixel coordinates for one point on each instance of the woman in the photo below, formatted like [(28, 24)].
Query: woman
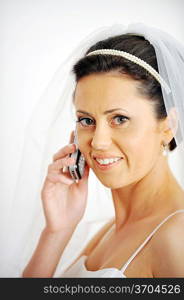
[(124, 132)]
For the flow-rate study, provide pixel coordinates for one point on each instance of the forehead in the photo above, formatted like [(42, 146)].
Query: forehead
[(108, 90)]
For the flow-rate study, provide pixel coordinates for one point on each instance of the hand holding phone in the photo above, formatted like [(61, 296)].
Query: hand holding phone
[(64, 202)]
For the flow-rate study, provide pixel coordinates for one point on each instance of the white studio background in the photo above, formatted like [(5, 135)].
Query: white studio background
[(36, 36)]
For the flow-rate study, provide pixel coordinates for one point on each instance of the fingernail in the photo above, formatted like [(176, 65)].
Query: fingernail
[(64, 169)]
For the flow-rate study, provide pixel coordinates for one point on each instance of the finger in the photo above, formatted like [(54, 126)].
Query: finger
[(65, 151), (60, 164), (61, 178), (72, 137), (71, 140)]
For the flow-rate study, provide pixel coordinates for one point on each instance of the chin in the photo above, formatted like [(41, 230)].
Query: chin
[(111, 181), (111, 184)]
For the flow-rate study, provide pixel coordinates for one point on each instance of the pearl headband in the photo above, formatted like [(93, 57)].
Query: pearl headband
[(136, 60)]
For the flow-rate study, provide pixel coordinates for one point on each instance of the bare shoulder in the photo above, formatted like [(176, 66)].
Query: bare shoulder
[(168, 248)]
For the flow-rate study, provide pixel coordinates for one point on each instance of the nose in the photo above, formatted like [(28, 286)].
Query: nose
[(101, 139)]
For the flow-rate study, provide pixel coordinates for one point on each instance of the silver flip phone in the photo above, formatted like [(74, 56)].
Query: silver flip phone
[(77, 170)]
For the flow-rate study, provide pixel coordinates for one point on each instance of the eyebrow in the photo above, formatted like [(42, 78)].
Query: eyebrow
[(105, 112)]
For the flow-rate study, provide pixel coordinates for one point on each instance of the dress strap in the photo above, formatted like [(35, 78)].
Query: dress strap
[(147, 239)]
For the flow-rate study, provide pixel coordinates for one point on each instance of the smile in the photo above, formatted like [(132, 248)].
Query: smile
[(108, 164)]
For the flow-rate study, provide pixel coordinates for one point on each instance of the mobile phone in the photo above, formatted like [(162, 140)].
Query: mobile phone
[(77, 170)]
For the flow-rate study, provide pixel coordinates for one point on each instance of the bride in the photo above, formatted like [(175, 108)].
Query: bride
[(125, 130)]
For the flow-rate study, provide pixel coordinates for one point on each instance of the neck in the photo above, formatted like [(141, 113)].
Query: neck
[(150, 196)]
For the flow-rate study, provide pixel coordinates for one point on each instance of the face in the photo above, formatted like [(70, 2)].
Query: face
[(115, 121)]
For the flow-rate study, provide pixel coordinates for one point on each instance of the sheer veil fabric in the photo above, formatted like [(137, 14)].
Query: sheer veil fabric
[(49, 129)]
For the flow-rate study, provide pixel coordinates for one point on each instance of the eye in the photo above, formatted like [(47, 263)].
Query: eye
[(83, 120), (122, 119)]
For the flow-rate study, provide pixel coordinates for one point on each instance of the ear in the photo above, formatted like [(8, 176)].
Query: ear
[(170, 125)]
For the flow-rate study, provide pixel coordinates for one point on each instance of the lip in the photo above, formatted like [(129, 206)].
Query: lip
[(105, 156), (109, 166)]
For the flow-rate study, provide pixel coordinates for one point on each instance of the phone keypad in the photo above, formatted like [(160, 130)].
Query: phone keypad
[(81, 164)]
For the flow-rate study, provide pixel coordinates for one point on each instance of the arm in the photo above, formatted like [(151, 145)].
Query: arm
[(64, 204), (50, 248), (47, 254)]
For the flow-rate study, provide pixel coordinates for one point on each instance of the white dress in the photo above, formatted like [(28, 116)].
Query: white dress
[(78, 270)]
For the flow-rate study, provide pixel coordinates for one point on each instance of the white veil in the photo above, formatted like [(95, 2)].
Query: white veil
[(49, 129)]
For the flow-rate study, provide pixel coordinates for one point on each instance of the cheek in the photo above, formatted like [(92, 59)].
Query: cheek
[(142, 153)]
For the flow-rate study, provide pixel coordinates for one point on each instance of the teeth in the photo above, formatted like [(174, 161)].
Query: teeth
[(107, 160)]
